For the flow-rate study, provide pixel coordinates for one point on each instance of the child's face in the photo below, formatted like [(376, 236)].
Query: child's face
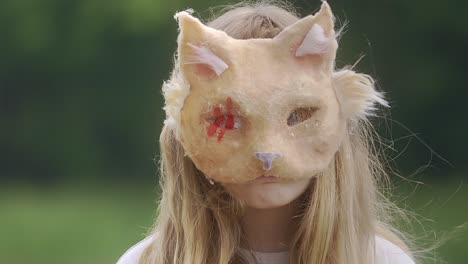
[(274, 107), (257, 108), (289, 128), (264, 193)]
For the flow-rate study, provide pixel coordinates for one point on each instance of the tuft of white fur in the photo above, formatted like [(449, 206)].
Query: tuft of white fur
[(203, 55), (356, 94), (315, 42), (175, 90), (178, 14)]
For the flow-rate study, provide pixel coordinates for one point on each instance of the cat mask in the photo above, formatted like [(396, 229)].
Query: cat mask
[(275, 107)]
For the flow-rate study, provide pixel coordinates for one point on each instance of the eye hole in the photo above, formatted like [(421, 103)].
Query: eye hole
[(300, 115), (224, 117), (225, 121)]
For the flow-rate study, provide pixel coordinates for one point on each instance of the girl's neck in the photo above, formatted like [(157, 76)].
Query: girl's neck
[(269, 230)]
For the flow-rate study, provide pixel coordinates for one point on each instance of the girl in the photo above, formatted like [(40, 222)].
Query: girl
[(267, 153)]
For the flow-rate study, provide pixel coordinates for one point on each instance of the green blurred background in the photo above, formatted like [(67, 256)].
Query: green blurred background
[(80, 117)]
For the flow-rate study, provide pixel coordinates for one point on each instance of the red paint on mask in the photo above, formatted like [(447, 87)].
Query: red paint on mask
[(223, 121), (212, 129), (221, 133), (230, 122)]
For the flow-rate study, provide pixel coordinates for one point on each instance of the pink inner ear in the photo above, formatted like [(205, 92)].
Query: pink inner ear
[(314, 43), (205, 70), (206, 60)]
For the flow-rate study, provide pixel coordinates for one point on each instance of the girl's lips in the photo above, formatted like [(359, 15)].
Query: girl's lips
[(266, 179)]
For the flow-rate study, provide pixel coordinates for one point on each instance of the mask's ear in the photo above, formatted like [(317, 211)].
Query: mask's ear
[(312, 37), (197, 48), (356, 94)]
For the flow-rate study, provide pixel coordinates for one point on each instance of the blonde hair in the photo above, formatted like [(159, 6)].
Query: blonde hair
[(343, 208)]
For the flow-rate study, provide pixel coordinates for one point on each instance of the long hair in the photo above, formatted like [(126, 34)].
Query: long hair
[(343, 209)]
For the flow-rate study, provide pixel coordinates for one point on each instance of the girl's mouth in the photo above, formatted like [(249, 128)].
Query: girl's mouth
[(266, 179)]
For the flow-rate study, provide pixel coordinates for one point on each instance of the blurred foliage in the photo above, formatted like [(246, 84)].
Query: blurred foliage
[(80, 86), (80, 80), (80, 105)]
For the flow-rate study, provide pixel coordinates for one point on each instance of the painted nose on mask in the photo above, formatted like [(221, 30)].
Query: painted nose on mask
[(267, 158)]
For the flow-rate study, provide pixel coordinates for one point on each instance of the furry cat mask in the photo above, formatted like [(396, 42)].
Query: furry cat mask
[(275, 107)]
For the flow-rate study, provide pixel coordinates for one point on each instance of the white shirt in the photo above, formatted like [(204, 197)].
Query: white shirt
[(386, 253)]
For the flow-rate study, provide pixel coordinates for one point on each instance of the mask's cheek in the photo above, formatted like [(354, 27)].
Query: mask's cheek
[(216, 137), (309, 154), (325, 148), (229, 159), (228, 168)]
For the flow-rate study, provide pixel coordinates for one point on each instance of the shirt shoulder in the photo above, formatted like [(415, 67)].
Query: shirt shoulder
[(132, 256), (388, 253)]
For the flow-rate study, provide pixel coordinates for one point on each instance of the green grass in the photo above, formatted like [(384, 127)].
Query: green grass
[(81, 225), (441, 218), (72, 226)]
